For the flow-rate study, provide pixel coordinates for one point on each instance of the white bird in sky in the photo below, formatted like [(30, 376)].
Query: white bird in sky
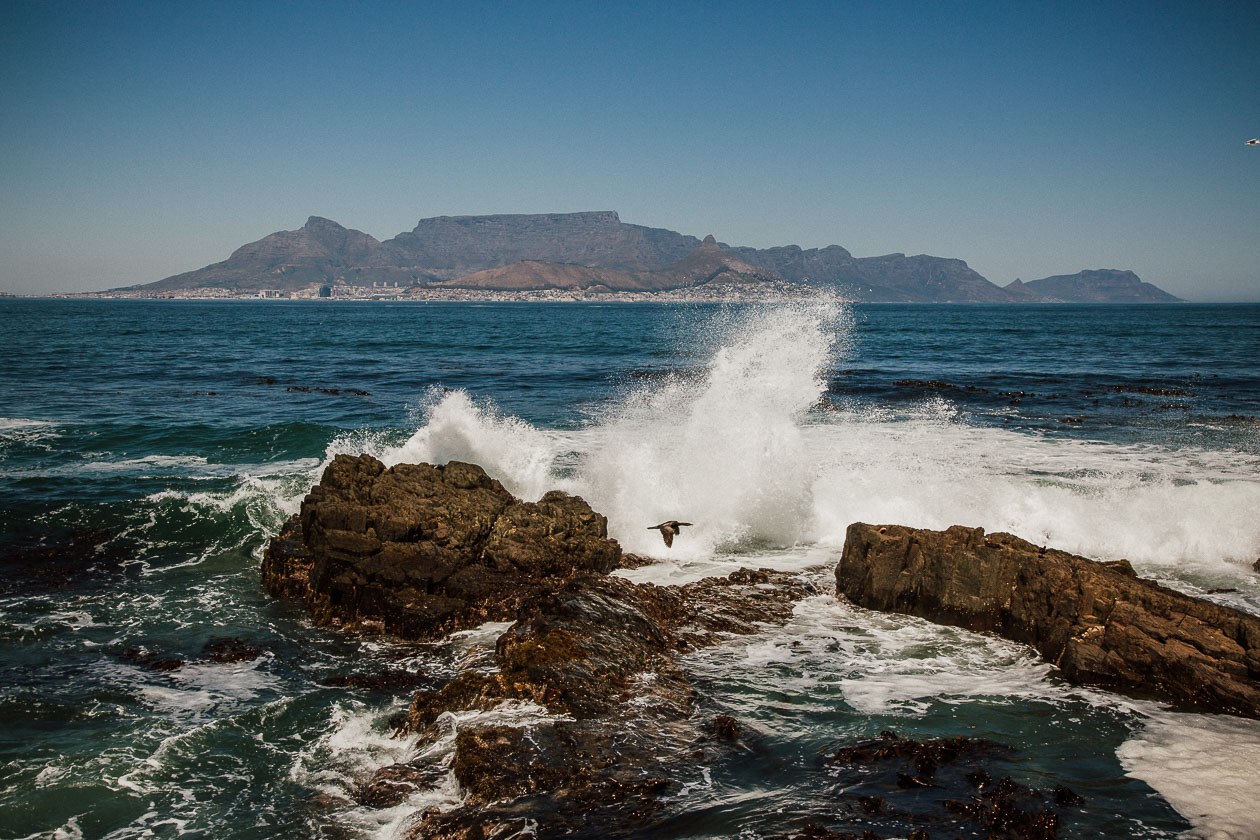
[(1253, 142)]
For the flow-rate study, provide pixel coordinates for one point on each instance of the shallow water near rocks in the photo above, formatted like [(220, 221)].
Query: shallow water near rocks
[(148, 451)]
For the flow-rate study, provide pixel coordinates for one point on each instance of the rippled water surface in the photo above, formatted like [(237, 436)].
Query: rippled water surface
[(149, 449)]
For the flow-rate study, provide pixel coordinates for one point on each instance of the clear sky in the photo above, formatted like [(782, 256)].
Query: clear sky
[(139, 140)]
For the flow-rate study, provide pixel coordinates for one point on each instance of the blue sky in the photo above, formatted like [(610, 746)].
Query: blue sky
[(144, 139)]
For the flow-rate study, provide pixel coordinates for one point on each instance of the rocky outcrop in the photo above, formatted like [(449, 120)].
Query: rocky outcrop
[(1098, 622), (602, 653), (419, 551)]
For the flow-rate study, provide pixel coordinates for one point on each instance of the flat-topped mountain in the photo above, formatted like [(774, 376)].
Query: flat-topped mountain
[(1103, 285), (453, 246), (596, 251)]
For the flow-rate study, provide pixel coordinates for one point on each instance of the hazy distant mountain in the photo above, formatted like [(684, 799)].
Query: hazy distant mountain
[(453, 246), (597, 250), (706, 263), (1103, 285), (290, 259)]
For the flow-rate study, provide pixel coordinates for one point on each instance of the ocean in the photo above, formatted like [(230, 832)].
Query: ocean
[(150, 449)]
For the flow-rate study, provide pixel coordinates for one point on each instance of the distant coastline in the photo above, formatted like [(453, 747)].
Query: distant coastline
[(596, 256)]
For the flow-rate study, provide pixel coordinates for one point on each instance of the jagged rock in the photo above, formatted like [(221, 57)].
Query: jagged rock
[(421, 550), (578, 650), (151, 660), (603, 652), (1098, 622)]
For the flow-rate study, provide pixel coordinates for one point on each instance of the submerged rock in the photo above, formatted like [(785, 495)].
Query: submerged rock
[(941, 787), (1101, 624)]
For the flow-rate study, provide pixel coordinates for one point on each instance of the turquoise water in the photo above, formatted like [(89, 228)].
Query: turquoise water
[(149, 449)]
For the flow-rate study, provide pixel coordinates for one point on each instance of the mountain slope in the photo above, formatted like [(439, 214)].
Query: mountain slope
[(1103, 285), (318, 252)]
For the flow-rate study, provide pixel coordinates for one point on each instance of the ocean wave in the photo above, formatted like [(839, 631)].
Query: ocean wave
[(877, 664), (748, 452)]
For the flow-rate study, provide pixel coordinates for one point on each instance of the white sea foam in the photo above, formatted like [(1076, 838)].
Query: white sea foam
[(744, 450), (1205, 766), (70, 831), (458, 429), (12, 424), (19, 430), (357, 743), (879, 664), (726, 451)]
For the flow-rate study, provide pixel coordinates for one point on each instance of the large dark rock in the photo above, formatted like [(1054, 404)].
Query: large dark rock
[(420, 551), (1098, 622), (602, 652)]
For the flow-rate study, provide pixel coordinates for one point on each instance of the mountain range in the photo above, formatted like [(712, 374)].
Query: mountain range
[(596, 251)]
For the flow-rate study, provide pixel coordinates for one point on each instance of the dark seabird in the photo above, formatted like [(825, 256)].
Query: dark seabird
[(668, 530)]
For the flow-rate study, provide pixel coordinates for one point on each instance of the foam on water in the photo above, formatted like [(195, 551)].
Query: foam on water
[(878, 664), (1153, 506), (458, 429), (357, 743), (724, 451), (747, 452), (1205, 766)]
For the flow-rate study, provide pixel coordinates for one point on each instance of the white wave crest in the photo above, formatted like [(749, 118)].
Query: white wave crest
[(742, 449), (457, 429)]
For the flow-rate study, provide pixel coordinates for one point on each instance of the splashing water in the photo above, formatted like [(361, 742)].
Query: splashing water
[(741, 449), (726, 450)]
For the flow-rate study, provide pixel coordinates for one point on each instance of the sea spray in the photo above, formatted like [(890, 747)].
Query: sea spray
[(744, 448), (458, 429), (1165, 510), (724, 450)]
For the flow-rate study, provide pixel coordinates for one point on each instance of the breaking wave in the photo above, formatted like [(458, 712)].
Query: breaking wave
[(746, 450)]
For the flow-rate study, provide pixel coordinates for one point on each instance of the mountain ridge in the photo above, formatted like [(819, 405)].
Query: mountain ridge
[(595, 250)]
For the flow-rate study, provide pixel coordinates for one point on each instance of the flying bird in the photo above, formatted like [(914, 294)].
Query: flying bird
[(668, 530), (1253, 142)]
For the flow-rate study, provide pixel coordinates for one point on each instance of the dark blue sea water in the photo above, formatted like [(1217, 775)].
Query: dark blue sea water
[(148, 450)]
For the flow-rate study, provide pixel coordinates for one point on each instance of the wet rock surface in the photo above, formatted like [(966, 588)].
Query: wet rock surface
[(601, 654), (419, 551), (1098, 622)]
